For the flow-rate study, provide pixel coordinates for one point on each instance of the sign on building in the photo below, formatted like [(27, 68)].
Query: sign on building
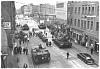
[(7, 25), (41, 21)]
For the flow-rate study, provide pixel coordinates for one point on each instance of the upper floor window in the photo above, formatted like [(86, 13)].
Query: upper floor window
[(91, 25), (97, 26), (75, 10), (89, 9), (84, 24), (85, 10), (75, 22), (79, 9), (81, 23), (98, 10), (92, 10), (82, 10), (78, 23), (88, 24)]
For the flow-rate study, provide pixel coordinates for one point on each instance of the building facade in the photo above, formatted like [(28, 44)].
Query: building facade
[(61, 12), (8, 20), (83, 19), (47, 13)]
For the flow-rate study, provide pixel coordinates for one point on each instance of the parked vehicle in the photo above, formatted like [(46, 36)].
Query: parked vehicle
[(42, 26), (86, 58), (40, 55)]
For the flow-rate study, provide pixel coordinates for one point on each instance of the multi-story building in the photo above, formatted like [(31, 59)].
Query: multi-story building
[(47, 12), (8, 22), (61, 12), (83, 19), (27, 9)]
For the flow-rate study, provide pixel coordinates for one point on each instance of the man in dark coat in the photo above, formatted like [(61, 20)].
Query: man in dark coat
[(67, 55), (20, 49)]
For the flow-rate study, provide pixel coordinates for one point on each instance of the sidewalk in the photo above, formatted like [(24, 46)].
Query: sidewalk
[(85, 50), (11, 60)]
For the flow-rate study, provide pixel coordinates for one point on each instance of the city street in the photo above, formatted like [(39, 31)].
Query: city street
[(58, 56), (49, 34)]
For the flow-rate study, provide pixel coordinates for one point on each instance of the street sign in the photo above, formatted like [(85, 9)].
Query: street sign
[(7, 25)]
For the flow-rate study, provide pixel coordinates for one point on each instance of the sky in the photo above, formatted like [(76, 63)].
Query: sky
[(19, 3)]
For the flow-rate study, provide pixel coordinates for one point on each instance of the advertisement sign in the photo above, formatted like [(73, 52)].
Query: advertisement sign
[(7, 25)]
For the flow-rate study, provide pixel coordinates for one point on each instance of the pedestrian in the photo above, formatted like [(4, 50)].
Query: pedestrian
[(67, 55), (40, 46), (46, 34), (28, 39), (25, 65), (20, 41), (46, 43), (50, 43), (24, 50), (91, 50), (20, 49)]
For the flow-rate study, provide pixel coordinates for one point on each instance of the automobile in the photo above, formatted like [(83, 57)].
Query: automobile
[(25, 27), (40, 55), (86, 58), (62, 44), (42, 26)]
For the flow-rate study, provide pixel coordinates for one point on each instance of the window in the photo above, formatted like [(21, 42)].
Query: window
[(82, 10), (84, 24), (85, 10), (60, 5), (75, 10), (98, 10), (78, 23), (91, 25), (75, 22), (88, 24), (89, 10), (97, 26), (81, 23), (92, 10), (79, 10)]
